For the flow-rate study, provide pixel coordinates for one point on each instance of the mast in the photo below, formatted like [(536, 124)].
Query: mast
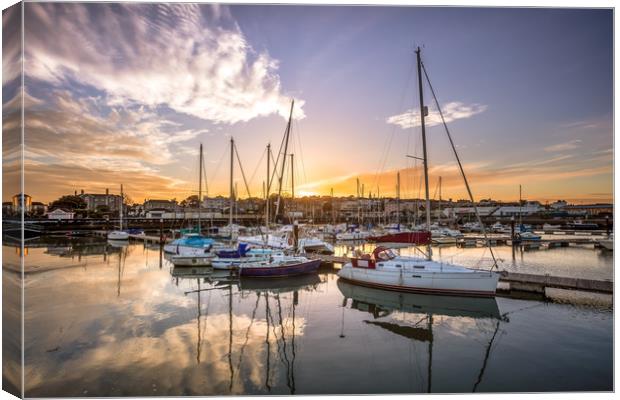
[(232, 189), (439, 215), (358, 200), (267, 190), (520, 219), (331, 191), (121, 209), (423, 111), (292, 178), (398, 199), (292, 186), (200, 190), (287, 133)]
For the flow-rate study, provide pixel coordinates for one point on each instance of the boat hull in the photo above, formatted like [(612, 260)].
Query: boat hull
[(118, 235), (307, 267), (190, 261), (477, 283), (418, 237), (189, 251)]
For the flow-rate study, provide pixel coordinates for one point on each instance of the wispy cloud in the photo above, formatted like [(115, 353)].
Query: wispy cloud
[(570, 145), (451, 112), (192, 58)]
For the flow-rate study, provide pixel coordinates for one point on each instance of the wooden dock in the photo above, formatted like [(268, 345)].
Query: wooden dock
[(538, 283)]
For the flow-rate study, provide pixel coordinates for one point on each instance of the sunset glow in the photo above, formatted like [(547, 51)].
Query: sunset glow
[(124, 93)]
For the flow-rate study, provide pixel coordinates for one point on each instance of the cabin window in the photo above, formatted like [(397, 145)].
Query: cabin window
[(419, 266), (398, 266), (380, 264), (416, 276)]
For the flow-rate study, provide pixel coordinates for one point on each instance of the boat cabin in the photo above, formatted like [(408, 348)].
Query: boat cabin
[(379, 254)]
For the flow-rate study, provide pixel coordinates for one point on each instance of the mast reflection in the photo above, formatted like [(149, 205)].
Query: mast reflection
[(381, 303)]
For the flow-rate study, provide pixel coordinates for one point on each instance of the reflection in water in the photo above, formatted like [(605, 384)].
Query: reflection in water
[(116, 322), (280, 322), (382, 303)]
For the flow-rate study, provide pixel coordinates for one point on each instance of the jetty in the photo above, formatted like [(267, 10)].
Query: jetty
[(144, 238)]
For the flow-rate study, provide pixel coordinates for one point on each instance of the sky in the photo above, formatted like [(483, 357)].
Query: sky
[(125, 93)]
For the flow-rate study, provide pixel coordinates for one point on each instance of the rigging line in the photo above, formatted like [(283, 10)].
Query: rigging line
[(301, 152), (386, 150), (247, 188), (458, 160), (219, 164), (275, 163), (258, 165), (204, 173), (486, 358), (274, 166)]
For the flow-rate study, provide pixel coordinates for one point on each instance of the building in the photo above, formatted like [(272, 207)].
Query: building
[(591, 210), (95, 200), (216, 204), (60, 214), (7, 207), (38, 208), (168, 205), (17, 203)]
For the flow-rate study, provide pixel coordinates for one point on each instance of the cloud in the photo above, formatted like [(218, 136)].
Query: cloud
[(11, 44), (191, 58), (570, 145), (451, 112), (68, 146)]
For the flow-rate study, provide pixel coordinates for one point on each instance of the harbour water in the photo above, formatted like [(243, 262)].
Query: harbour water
[(103, 319)]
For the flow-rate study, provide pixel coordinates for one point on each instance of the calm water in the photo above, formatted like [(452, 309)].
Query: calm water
[(102, 320)]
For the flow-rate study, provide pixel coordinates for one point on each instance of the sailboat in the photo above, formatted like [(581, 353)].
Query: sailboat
[(524, 233), (386, 270), (119, 234), (280, 265), (283, 239), (190, 247)]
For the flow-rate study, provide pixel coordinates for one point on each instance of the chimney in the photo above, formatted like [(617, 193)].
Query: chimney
[(82, 191), (75, 192), (107, 191)]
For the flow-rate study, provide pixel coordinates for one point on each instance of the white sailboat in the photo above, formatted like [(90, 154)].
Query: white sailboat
[(284, 238), (119, 234), (384, 269), (192, 249)]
